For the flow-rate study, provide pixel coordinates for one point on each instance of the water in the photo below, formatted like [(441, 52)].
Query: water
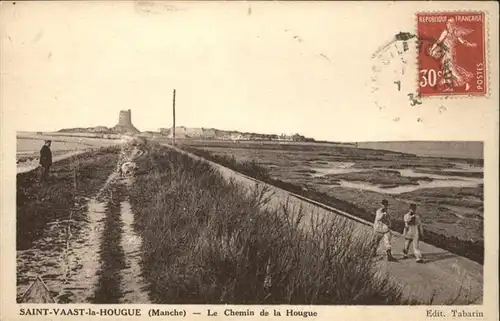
[(408, 188), (336, 168), (458, 149), (464, 167), (412, 173), (438, 180), (33, 164)]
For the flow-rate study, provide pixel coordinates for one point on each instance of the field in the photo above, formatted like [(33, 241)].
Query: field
[(52, 218), (447, 191), (178, 232), (29, 144)]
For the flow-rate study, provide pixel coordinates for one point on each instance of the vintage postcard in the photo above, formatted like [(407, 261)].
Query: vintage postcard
[(249, 160)]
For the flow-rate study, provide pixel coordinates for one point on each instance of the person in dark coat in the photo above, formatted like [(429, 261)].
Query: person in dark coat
[(45, 159)]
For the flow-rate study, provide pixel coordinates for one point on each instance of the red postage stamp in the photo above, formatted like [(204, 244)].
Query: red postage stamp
[(451, 56)]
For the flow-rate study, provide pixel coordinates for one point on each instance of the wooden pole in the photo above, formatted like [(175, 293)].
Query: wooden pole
[(173, 128), (74, 177)]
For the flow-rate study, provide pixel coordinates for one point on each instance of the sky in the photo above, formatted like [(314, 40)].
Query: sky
[(260, 67)]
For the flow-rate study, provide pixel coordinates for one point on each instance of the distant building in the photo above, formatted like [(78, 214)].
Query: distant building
[(284, 137), (182, 132), (255, 137), (165, 131), (124, 125), (194, 132), (236, 136)]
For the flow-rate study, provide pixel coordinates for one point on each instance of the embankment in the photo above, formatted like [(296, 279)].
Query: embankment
[(210, 241), (473, 250)]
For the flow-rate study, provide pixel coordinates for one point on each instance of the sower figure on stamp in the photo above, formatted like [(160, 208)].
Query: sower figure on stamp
[(382, 227), (412, 233), (444, 49), (45, 159)]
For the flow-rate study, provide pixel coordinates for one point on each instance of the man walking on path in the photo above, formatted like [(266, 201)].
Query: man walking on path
[(412, 232), (45, 159), (382, 227)]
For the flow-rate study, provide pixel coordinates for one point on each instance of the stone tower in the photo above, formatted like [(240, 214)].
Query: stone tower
[(125, 123), (125, 118)]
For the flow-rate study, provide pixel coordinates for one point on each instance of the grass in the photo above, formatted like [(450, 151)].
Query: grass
[(39, 204), (471, 197), (473, 250), (210, 241), (206, 240), (452, 173), (363, 157)]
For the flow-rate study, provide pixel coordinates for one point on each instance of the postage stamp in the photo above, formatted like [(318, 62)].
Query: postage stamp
[(451, 56)]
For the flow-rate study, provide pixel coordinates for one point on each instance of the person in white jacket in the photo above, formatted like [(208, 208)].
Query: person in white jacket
[(382, 228), (412, 232)]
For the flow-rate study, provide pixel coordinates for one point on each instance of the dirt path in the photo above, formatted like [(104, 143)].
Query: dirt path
[(132, 283), (66, 255), (444, 276), (132, 286), (69, 256), (83, 263)]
